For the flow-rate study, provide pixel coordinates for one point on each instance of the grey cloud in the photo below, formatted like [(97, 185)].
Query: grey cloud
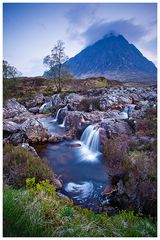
[(127, 28), (81, 14)]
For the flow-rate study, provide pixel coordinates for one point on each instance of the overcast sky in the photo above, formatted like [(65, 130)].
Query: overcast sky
[(30, 30)]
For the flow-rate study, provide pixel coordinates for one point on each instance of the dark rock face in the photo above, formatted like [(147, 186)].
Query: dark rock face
[(114, 58)]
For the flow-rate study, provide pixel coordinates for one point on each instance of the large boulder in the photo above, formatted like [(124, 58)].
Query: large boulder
[(10, 126), (35, 131), (73, 97), (12, 108), (115, 128), (34, 109), (16, 138), (37, 100), (56, 100)]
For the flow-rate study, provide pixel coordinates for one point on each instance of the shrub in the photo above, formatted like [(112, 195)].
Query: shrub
[(148, 125), (116, 150), (19, 164), (89, 104)]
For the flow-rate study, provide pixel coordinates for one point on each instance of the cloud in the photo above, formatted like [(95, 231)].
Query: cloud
[(131, 31), (81, 15)]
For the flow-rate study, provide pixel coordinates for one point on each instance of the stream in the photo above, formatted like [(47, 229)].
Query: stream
[(79, 164)]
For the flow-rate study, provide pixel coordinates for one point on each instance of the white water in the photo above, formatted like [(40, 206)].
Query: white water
[(56, 118), (64, 122), (90, 138), (89, 141), (82, 190)]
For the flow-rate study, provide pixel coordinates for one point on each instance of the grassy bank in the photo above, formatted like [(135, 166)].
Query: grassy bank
[(39, 212)]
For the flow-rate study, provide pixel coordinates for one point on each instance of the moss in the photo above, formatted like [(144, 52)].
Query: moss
[(39, 214)]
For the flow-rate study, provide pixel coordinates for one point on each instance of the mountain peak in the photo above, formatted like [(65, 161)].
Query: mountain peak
[(115, 58), (111, 34)]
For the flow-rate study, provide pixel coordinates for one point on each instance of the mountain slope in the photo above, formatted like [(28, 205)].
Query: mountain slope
[(115, 58)]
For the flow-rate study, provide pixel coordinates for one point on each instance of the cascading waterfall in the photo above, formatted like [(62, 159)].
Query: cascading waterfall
[(90, 138), (90, 143), (64, 122), (56, 118)]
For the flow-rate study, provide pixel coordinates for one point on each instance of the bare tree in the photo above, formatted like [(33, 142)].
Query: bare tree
[(56, 64)]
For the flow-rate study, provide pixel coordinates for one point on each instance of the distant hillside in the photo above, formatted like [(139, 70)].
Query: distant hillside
[(114, 58)]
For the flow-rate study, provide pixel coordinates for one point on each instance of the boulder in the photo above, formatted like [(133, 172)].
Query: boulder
[(73, 97), (39, 98), (102, 135), (30, 103), (115, 128), (34, 109), (56, 100), (16, 138), (10, 126), (55, 138), (35, 131), (13, 108), (46, 107)]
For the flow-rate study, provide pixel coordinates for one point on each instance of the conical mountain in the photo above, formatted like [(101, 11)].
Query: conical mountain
[(114, 58)]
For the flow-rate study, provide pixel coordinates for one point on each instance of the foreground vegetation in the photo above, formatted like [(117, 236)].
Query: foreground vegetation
[(37, 211)]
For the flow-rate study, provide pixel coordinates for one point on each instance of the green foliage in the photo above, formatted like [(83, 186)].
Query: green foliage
[(19, 164), (41, 186), (39, 214), (89, 104)]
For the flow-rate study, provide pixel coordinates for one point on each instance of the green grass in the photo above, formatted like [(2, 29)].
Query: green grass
[(39, 213)]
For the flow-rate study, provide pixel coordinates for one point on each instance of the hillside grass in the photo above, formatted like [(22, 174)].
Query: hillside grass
[(38, 212)]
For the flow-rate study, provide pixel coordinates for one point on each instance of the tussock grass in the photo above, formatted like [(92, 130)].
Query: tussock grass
[(39, 213)]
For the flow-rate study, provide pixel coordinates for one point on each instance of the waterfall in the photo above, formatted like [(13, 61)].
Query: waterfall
[(90, 138), (89, 150), (64, 122), (56, 118)]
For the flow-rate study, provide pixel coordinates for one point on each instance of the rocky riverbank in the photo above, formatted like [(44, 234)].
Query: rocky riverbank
[(118, 112)]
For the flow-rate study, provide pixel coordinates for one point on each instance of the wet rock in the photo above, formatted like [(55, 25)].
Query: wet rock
[(10, 127), (13, 108), (73, 144), (102, 135), (55, 138), (46, 107)]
